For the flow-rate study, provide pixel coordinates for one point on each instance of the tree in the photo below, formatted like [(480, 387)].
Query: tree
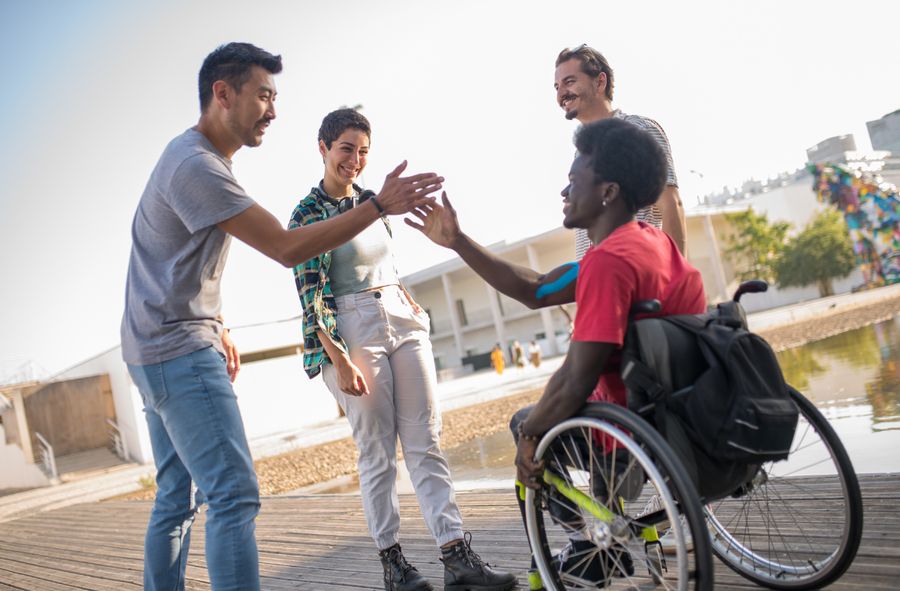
[(755, 245), (820, 254)]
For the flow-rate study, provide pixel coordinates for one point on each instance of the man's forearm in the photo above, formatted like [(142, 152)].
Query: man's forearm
[(519, 283), (314, 239), (259, 229), (558, 403), (670, 207)]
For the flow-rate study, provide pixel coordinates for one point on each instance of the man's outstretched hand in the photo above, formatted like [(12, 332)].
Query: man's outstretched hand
[(439, 222), (400, 195)]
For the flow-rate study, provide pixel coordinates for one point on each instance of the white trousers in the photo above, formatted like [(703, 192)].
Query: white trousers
[(389, 343)]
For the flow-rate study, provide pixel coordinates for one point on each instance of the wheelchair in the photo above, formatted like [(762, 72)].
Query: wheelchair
[(624, 489)]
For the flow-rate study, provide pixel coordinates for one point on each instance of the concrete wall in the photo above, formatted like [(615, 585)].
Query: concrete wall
[(15, 470), (126, 399)]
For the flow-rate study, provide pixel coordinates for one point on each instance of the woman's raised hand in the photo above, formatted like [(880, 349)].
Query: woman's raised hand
[(400, 195)]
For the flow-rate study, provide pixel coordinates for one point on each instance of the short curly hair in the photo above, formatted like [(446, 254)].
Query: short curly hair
[(337, 122), (625, 154), (232, 63)]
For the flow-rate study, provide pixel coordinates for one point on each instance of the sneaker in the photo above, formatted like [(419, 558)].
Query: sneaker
[(668, 543), (653, 505), (667, 538), (399, 575), (582, 562), (466, 571)]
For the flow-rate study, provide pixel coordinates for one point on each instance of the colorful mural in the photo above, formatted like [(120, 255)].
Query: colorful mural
[(872, 213)]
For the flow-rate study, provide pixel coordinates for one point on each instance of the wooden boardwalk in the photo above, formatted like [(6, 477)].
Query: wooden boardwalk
[(320, 543)]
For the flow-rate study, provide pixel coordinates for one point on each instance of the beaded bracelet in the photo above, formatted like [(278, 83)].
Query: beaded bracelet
[(377, 206)]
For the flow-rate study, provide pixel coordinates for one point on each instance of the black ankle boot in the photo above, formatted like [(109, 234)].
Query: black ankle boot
[(400, 575), (465, 571)]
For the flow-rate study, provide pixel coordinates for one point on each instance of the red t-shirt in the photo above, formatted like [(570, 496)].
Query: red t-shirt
[(636, 262)]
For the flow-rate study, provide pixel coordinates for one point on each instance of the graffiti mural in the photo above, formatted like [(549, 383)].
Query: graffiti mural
[(872, 213)]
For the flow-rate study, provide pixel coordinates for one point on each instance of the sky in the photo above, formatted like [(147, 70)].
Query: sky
[(96, 89)]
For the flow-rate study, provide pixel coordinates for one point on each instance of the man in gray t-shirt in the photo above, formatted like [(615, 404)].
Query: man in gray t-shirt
[(178, 354), (172, 300)]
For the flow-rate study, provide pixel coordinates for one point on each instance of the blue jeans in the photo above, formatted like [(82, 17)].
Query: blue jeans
[(197, 435)]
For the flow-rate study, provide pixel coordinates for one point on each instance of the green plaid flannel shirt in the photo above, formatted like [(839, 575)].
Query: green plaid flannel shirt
[(314, 289)]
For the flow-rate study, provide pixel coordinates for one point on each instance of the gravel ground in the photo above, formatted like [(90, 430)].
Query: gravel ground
[(311, 465)]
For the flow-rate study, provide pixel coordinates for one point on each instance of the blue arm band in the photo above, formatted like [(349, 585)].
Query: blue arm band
[(565, 279)]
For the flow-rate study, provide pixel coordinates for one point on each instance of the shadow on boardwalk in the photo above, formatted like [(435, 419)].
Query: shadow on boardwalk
[(320, 542)]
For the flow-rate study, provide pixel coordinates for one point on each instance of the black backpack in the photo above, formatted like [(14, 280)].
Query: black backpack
[(721, 381)]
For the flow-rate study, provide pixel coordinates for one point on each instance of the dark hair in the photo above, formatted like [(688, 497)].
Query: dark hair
[(337, 122), (625, 154), (592, 63), (232, 63)]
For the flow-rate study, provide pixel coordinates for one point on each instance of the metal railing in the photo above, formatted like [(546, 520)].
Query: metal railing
[(116, 441), (48, 459)]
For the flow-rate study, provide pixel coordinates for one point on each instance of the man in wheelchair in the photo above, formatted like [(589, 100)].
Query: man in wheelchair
[(619, 169)]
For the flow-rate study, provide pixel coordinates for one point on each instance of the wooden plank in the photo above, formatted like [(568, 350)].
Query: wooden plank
[(321, 542)]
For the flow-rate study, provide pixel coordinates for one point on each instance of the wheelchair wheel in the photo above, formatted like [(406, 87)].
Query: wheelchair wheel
[(798, 523), (600, 500)]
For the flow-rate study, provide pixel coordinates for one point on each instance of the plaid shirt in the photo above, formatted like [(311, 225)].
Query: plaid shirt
[(314, 289)]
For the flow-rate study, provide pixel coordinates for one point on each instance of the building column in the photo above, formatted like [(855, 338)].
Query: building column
[(454, 318), (499, 325), (718, 269), (546, 316)]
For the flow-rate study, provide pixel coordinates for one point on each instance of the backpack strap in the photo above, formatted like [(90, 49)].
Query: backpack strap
[(639, 378)]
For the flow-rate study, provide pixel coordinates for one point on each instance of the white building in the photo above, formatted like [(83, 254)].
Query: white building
[(885, 132)]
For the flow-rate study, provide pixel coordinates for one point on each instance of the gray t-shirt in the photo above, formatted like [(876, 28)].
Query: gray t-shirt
[(172, 296)]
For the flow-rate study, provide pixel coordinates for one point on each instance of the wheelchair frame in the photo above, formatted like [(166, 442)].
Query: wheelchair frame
[(741, 530)]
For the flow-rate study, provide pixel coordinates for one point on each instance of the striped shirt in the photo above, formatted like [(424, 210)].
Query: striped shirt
[(650, 215)]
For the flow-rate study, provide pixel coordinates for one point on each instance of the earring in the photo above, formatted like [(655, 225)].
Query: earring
[(603, 203)]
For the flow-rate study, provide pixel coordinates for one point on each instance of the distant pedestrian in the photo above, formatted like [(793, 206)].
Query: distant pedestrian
[(179, 355), (534, 354), (518, 354), (498, 362)]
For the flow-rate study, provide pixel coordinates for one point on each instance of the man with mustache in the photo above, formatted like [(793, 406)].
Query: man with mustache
[(179, 355), (584, 89)]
